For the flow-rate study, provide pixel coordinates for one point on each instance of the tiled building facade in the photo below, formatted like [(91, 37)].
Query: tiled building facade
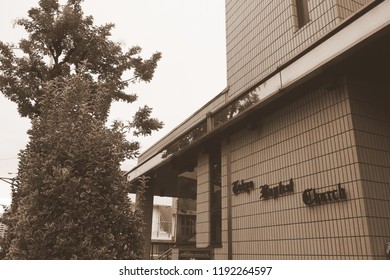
[(3, 228), (263, 35), (319, 140), (292, 160)]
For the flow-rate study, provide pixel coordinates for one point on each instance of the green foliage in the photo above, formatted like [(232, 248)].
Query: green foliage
[(71, 200), (61, 40), (72, 196), (7, 219)]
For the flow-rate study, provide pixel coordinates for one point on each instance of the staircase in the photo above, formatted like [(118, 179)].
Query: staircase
[(193, 253), (167, 255), (187, 253)]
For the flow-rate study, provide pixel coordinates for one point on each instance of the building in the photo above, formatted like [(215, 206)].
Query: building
[(292, 159), (2, 228), (173, 224), (163, 226)]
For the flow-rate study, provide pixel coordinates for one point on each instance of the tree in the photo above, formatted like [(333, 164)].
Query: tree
[(71, 199), (72, 196), (60, 40)]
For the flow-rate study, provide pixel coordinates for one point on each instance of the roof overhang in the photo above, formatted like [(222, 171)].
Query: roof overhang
[(363, 39)]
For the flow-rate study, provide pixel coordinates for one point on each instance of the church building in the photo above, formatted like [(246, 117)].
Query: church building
[(292, 159)]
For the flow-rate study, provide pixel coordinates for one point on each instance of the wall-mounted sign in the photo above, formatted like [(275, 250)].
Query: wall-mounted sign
[(241, 186), (311, 196), (279, 190)]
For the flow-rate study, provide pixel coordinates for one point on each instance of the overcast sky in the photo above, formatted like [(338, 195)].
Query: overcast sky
[(189, 33)]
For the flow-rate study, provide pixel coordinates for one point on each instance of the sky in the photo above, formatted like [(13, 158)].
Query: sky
[(190, 34)]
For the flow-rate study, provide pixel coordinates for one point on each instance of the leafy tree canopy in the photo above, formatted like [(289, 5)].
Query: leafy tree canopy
[(61, 39), (70, 199)]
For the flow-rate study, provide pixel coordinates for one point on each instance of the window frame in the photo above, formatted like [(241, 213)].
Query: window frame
[(302, 8)]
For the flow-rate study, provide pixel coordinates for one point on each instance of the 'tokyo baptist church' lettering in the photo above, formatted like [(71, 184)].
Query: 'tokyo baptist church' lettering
[(279, 190), (311, 196), (241, 186)]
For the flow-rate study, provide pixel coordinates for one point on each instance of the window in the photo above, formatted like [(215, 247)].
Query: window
[(186, 229), (302, 12), (215, 197), (187, 225)]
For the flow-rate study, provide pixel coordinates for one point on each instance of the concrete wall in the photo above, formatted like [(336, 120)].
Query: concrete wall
[(371, 120), (328, 136), (312, 141), (203, 202), (262, 35), (336, 134), (347, 7)]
